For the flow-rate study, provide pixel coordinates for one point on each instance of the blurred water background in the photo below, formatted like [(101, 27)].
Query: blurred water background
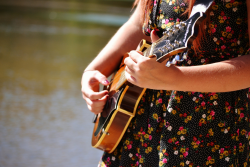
[(44, 47)]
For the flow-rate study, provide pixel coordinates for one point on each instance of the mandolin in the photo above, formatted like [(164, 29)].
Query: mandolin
[(112, 122)]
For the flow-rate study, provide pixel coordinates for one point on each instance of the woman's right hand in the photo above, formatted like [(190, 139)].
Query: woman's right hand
[(90, 90)]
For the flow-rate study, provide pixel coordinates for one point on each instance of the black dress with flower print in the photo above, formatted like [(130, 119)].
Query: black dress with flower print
[(175, 128)]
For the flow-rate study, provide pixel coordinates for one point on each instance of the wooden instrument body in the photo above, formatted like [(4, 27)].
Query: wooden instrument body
[(112, 123)]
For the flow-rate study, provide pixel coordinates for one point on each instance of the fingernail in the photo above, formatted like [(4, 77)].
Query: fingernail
[(105, 82)]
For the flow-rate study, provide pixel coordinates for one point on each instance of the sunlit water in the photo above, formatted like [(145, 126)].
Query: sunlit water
[(44, 121)]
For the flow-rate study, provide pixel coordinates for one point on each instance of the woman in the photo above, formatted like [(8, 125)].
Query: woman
[(195, 113)]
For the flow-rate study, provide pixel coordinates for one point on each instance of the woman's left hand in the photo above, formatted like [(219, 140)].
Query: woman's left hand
[(142, 71), (147, 72)]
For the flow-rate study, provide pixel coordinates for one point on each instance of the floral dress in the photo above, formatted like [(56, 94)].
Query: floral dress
[(176, 128)]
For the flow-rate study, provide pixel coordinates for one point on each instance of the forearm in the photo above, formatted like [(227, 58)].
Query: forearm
[(110, 56), (223, 76), (126, 39)]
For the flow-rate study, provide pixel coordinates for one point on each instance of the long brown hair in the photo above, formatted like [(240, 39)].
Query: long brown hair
[(144, 4)]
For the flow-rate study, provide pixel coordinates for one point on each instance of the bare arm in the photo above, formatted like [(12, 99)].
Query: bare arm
[(126, 39), (230, 75), (223, 76)]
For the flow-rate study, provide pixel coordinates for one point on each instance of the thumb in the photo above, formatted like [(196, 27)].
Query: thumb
[(102, 79), (154, 36)]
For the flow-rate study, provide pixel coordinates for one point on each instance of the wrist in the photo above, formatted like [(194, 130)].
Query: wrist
[(169, 78), (175, 77)]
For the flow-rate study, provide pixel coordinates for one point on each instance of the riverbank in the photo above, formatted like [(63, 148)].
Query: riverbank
[(116, 7), (44, 48)]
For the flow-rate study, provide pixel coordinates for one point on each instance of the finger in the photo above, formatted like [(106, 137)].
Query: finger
[(130, 71), (95, 110), (102, 78), (130, 78), (130, 65), (135, 55), (96, 106), (90, 94), (154, 36)]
